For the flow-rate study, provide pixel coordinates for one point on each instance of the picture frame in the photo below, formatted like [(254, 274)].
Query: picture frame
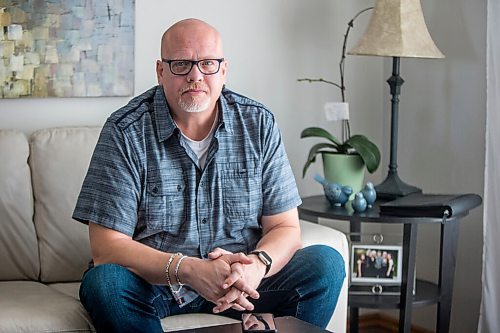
[(376, 264)]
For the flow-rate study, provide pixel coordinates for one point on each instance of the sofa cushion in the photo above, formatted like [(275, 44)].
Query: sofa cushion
[(68, 288), (18, 245), (59, 160), (27, 306), (169, 324)]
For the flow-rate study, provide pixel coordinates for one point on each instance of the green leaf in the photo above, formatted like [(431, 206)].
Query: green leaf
[(319, 133), (315, 150), (369, 152), (356, 144)]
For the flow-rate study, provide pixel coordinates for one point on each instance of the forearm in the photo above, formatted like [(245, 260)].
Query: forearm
[(109, 246), (144, 261), (204, 276), (281, 241), (281, 244)]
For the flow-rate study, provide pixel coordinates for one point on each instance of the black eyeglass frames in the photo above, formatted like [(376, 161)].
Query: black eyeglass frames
[(183, 67)]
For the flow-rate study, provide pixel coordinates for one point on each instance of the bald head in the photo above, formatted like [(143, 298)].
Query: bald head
[(195, 91), (187, 33)]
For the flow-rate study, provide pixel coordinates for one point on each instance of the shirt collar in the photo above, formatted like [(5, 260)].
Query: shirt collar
[(225, 118), (165, 125)]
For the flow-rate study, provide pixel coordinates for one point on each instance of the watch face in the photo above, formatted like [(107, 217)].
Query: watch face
[(265, 258)]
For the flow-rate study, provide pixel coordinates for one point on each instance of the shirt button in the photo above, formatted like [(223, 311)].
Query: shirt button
[(179, 188), (154, 190), (204, 221)]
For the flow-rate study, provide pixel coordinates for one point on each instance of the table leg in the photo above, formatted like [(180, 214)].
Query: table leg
[(448, 252), (408, 278), (355, 231), (353, 319)]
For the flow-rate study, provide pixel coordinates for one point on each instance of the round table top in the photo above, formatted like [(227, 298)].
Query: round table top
[(319, 206)]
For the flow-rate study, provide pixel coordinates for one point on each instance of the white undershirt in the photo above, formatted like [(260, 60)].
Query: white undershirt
[(200, 148)]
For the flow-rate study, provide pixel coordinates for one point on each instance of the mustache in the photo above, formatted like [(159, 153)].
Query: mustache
[(195, 86)]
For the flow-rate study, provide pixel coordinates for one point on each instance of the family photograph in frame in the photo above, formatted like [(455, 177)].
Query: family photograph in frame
[(376, 264)]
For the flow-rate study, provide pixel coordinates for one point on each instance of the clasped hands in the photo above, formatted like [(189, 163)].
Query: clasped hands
[(228, 279)]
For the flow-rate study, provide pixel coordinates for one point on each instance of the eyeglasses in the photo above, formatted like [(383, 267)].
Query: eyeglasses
[(183, 67)]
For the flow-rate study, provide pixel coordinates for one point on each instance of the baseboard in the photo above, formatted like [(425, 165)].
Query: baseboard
[(384, 322)]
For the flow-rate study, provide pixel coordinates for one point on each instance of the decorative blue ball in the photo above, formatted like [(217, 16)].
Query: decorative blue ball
[(359, 203)]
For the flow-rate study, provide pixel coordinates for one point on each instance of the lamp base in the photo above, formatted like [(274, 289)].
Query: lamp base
[(393, 187)]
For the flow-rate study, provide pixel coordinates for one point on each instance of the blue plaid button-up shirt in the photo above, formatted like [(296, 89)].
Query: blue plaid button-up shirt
[(143, 178)]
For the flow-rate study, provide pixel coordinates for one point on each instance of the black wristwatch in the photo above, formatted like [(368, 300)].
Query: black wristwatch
[(264, 258)]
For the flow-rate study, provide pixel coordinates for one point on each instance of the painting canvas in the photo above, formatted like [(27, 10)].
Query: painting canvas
[(66, 48)]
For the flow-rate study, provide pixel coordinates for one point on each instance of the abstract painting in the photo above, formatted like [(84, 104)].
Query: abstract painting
[(66, 48)]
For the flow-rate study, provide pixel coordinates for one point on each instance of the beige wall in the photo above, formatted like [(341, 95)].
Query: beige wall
[(270, 44)]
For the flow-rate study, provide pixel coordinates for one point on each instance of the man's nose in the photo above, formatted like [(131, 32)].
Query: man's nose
[(194, 74)]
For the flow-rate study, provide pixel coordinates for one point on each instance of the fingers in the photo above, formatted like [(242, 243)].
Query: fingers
[(233, 299), (231, 296), (238, 307), (235, 288), (237, 257), (243, 302), (235, 295), (244, 287), (217, 253), (236, 274), (237, 279), (229, 257)]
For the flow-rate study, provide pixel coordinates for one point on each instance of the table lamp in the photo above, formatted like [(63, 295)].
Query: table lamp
[(396, 29)]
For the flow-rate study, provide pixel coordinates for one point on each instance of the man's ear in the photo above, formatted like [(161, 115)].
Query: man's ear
[(224, 67), (223, 70), (159, 71)]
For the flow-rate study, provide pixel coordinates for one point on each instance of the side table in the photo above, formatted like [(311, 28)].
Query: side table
[(427, 293)]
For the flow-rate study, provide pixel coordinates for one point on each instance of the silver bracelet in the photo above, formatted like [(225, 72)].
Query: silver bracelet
[(167, 269), (176, 273)]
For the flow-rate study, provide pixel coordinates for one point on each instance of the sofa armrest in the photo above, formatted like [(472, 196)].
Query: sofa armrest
[(313, 233)]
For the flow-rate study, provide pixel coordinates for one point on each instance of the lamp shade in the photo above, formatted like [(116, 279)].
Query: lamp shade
[(397, 29)]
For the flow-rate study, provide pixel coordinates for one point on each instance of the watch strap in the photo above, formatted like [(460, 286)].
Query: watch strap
[(264, 258)]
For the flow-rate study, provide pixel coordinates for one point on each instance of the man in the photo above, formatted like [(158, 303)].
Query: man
[(191, 204)]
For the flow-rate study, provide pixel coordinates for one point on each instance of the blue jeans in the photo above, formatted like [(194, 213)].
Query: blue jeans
[(307, 287)]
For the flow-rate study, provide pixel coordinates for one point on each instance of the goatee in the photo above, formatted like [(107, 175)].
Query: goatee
[(193, 106)]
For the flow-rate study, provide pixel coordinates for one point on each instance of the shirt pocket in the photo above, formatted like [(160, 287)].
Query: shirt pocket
[(241, 191), (166, 202)]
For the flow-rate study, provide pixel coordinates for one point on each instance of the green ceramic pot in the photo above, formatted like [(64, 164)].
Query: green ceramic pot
[(345, 170)]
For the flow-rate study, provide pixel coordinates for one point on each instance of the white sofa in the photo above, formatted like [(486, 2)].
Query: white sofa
[(43, 252)]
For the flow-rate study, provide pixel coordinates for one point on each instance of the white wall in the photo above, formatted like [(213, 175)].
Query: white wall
[(442, 143), (270, 44)]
